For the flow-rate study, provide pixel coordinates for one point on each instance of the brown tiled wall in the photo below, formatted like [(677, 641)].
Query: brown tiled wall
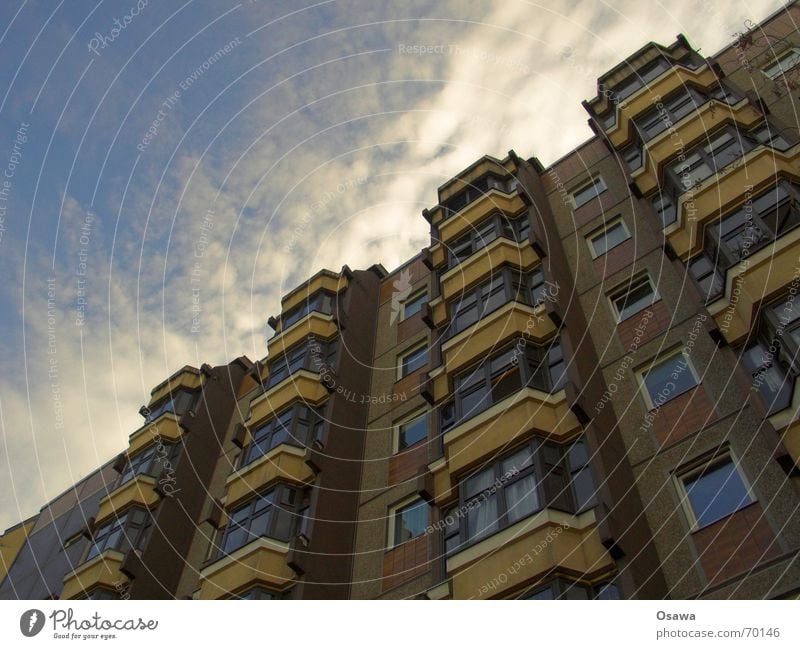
[(405, 562), (682, 416), (407, 464), (645, 325), (614, 260)]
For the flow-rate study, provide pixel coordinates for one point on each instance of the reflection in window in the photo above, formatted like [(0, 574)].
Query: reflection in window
[(715, 492)]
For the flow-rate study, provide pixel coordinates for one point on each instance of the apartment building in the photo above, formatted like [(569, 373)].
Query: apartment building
[(584, 387)]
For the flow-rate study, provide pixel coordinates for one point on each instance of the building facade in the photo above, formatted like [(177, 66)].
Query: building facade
[(584, 387)]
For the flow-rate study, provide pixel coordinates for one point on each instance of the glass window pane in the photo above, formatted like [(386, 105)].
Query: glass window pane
[(413, 305), (522, 498), (413, 432), (410, 521), (483, 518), (668, 379), (717, 492), (479, 483), (517, 462), (637, 298)]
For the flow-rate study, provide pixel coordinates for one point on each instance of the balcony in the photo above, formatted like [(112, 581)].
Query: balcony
[(101, 571), (166, 427), (644, 98), (187, 378), (302, 385), (320, 325), (568, 543), (527, 412), (325, 280), (468, 218), (283, 463), (695, 127), (262, 562), (141, 490), (755, 171)]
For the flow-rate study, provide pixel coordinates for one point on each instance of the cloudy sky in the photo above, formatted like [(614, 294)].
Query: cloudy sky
[(157, 155)]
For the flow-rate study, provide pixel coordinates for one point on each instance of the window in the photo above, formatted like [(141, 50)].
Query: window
[(501, 288), (715, 491), (178, 403), (311, 354), (480, 236), (298, 426), (633, 297), (782, 63), (128, 530), (672, 110), (413, 304), (773, 360), (262, 593), (668, 379), (408, 521), (321, 301), (507, 372), (273, 514), (538, 474), (588, 192), (413, 360), (769, 136), (149, 461), (632, 156), (707, 276), (411, 432), (665, 209), (100, 594), (724, 147), (475, 190), (639, 79), (611, 236), (561, 588)]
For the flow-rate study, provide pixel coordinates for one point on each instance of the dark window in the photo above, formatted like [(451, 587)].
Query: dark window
[(101, 594), (539, 367), (708, 277), (638, 80), (298, 426), (769, 136), (410, 521), (589, 191), (128, 530), (563, 589), (274, 514), (634, 297), (632, 156), (412, 432), (475, 190), (715, 492), (672, 110), (262, 593), (311, 355), (501, 288), (178, 403), (480, 236), (413, 360), (536, 475), (668, 379), (721, 149), (609, 238), (782, 63), (321, 301), (149, 461), (665, 209), (413, 305)]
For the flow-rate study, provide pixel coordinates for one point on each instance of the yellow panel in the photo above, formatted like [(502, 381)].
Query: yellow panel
[(438, 255), (758, 169), (10, 544), (284, 463), (326, 279), (547, 541), (484, 262), (262, 561), (471, 174), (689, 130), (189, 378), (762, 275), (519, 416), (514, 320), (477, 210), (301, 386), (165, 428), (647, 97), (103, 570), (140, 491), (314, 323)]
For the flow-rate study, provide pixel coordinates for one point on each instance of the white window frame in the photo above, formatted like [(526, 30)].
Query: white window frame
[(655, 362), (392, 516), (680, 477), (775, 62), (401, 357), (597, 232), (410, 298), (598, 179), (416, 414), (624, 289)]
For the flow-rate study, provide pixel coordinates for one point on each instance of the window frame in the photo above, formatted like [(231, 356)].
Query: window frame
[(593, 182), (404, 421), (629, 286), (604, 230), (133, 463), (777, 60), (422, 293), (316, 420), (392, 513), (479, 236), (414, 349), (328, 350), (170, 404), (310, 305), (132, 534), (697, 469), (657, 362)]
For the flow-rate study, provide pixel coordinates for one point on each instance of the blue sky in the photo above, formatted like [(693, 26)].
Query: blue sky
[(217, 153)]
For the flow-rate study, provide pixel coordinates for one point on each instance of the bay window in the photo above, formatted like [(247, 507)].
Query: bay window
[(298, 426), (474, 190), (321, 302), (179, 402), (128, 530), (311, 354), (149, 461), (480, 236)]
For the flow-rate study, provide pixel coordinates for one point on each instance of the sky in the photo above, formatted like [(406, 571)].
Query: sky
[(171, 168)]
